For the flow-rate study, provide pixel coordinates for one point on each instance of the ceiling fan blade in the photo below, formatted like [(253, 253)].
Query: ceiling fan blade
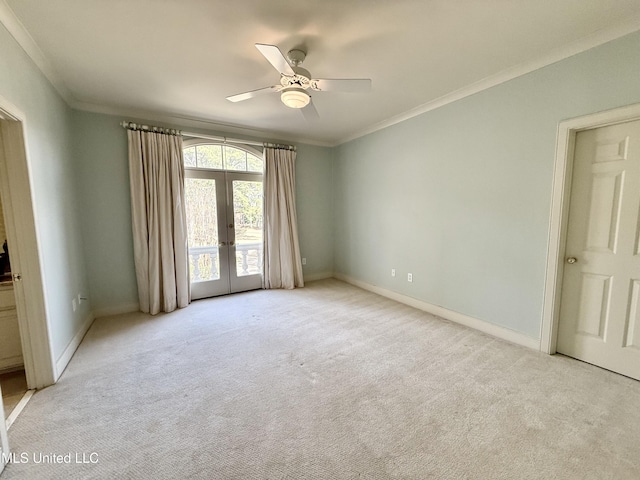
[(350, 85), (276, 58), (310, 113), (253, 93)]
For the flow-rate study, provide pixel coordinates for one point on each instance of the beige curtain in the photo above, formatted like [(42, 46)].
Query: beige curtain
[(282, 266), (156, 172)]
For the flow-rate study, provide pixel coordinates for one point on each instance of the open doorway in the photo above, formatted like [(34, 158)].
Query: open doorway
[(24, 285), (25, 279), (13, 378)]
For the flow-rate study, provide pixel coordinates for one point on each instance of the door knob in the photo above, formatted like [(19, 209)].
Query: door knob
[(231, 244), (221, 244), (572, 260)]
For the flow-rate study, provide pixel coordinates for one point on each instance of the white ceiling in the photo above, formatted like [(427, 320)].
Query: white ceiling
[(181, 58)]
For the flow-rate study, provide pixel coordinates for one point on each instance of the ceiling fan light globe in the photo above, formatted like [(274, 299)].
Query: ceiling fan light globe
[(295, 98)]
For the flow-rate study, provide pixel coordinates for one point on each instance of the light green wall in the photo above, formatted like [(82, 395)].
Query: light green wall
[(314, 205), (50, 159), (103, 179), (460, 196), (102, 175)]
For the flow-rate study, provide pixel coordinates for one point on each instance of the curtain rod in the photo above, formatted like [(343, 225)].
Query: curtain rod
[(172, 131), (237, 140), (147, 128)]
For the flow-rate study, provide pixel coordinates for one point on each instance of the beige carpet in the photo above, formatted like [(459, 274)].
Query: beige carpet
[(325, 382)]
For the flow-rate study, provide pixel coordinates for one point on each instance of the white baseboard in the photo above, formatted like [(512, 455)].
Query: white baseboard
[(471, 322), (318, 276), (116, 310), (65, 358)]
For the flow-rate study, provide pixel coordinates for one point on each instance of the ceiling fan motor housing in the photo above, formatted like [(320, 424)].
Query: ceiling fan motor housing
[(300, 80)]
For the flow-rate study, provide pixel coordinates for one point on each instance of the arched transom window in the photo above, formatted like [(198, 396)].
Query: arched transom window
[(222, 157)]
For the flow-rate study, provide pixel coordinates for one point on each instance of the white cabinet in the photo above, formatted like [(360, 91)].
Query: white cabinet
[(10, 347)]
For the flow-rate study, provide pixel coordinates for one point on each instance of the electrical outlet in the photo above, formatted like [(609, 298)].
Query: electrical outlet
[(304, 260), (393, 272), (74, 304), (409, 277)]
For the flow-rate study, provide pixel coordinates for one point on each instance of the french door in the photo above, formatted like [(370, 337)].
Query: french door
[(224, 222)]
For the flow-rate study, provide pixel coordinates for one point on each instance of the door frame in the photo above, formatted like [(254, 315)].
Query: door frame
[(560, 197), (18, 207)]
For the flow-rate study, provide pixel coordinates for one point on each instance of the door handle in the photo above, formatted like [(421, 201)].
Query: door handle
[(572, 260), (222, 244), (231, 244)]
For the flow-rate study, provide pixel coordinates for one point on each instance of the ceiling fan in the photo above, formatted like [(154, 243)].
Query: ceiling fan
[(295, 81)]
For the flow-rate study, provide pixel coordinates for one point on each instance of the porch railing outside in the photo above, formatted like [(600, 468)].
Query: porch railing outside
[(204, 262)]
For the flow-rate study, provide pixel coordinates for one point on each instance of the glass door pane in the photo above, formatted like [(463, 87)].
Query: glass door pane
[(202, 226), (245, 231), (205, 199), (247, 218)]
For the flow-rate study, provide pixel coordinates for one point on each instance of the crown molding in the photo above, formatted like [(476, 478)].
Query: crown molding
[(598, 38), (18, 31), (183, 121)]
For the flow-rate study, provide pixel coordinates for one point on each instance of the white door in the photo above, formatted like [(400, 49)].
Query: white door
[(224, 216), (600, 306), (4, 440)]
